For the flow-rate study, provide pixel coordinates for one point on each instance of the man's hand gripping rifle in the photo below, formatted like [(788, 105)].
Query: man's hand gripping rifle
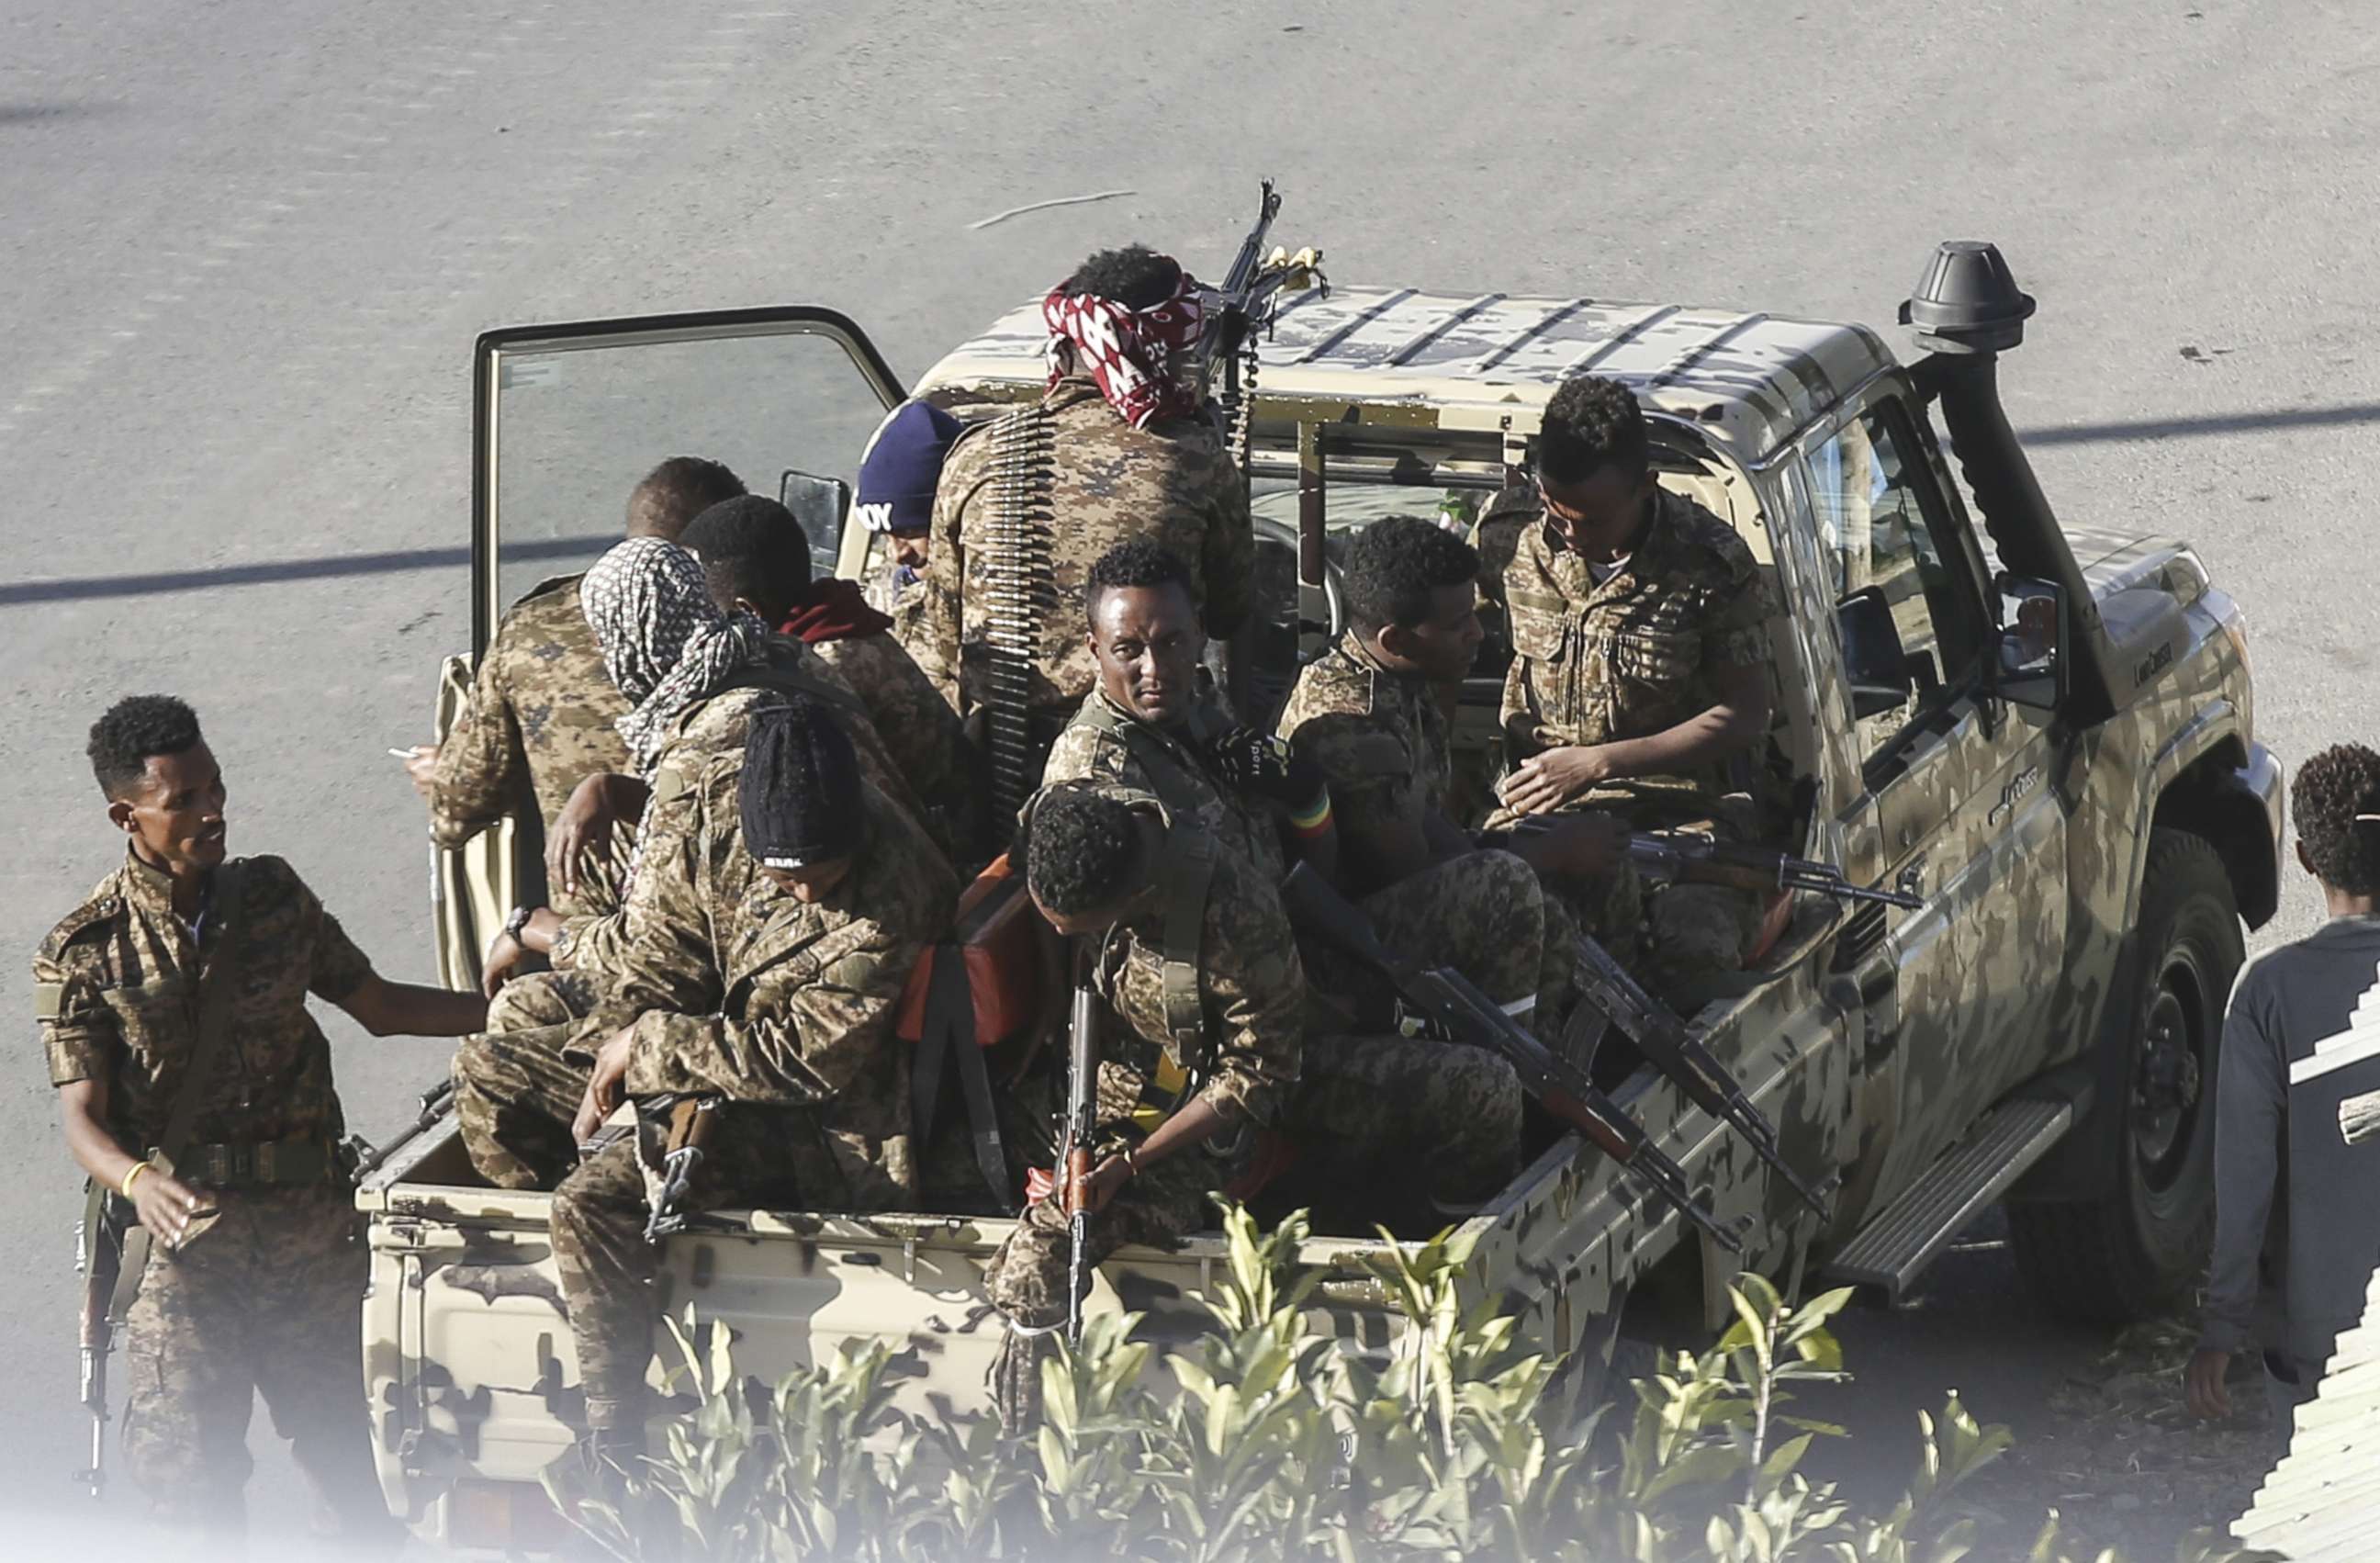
[(692, 1121), (1455, 1001)]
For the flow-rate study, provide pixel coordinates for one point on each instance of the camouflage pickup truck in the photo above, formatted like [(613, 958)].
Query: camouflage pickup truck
[(2044, 735)]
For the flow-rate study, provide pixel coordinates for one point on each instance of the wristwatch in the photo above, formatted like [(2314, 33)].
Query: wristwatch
[(517, 921)]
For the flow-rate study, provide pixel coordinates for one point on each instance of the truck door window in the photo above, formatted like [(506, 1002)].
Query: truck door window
[(1883, 525)]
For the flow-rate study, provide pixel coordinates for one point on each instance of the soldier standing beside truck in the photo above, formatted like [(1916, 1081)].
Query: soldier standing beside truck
[(1367, 715), (1117, 446), (542, 709), (2297, 1131), (1638, 683), (196, 1093)]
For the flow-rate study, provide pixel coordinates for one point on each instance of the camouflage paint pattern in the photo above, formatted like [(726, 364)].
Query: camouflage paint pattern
[(1172, 483), (265, 1304)]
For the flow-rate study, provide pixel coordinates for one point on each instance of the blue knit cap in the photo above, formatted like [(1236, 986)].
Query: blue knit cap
[(900, 466)]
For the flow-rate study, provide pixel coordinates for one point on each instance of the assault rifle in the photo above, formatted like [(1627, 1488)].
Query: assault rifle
[(1243, 301), (1607, 993), (1455, 1001), (99, 1256), (692, 1121), (362, 1158), (1082, 1125), (1696, 857)]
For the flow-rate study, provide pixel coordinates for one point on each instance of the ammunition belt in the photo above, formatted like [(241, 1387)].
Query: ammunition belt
[(1021, 591), (300, 1159)]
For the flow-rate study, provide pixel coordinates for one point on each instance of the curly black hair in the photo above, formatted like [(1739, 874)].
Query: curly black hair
[(1081, 849), (2331, 790), (1135, 276), (133, 729), (1135, 562), (751, 548), (1396, 563), (1591, 423), (676, 492)]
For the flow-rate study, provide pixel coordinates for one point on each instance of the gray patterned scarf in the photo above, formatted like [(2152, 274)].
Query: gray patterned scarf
[(665, 642)]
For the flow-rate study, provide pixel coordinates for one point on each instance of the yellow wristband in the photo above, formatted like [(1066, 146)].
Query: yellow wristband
[(130, 1178)]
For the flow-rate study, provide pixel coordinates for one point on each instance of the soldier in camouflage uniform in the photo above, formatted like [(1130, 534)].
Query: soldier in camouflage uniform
[(696, 675), (1638, 682), (541, 715), (756, 556), (245, 1254), (899, 471), (1145, 729), (1189, 948), (1367, 716), (786, 916), (1131, 455)]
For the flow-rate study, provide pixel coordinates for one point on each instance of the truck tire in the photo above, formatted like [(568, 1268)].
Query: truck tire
[(2136, 1252)]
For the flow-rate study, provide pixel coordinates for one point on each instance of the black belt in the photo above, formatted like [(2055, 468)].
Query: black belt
[(300, 1159)]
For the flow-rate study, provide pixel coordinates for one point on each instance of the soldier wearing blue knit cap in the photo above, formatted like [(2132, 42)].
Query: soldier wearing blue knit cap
[(897, 474)]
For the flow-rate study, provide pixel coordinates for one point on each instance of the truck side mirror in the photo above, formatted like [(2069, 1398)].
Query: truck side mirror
[(2029, 662), (1873, 662), (821, 505)]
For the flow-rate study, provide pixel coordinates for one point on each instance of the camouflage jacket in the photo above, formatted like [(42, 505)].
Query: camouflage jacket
[(712, 729), (1379, 738), (1216, 1017), (117, 989), (1105, 744), (1634, 655), (921, 734), (541, 713), (736, 989), (1172, 483)]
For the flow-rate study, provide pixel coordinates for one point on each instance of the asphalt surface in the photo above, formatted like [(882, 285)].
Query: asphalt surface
[(245, 247)]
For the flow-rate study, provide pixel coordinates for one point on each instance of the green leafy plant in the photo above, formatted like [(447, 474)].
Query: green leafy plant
[(1262, 1440)]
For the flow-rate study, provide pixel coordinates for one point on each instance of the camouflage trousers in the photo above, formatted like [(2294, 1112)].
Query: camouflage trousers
[(1376, 1123), (1696, 937), (515, 1096), (265, 1302)]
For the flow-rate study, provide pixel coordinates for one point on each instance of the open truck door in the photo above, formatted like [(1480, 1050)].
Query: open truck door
[(565, 418)]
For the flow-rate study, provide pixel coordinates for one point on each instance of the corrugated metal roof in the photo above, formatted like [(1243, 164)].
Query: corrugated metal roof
[(1749, 380), (2321, 1503)]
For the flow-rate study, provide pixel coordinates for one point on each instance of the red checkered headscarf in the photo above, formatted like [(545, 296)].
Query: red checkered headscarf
[(1139, 357)]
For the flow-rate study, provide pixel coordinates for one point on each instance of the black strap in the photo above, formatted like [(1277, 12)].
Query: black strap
[(948, 1041), (790, 679), (218, 979)]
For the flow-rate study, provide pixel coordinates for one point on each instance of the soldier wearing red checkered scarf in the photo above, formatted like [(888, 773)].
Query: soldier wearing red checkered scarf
[(1124, 450)]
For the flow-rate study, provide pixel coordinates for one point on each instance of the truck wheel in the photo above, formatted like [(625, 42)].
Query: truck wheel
[(2134, 1253)]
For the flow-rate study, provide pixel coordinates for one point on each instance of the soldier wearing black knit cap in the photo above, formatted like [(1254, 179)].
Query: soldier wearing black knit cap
[(786, 919)]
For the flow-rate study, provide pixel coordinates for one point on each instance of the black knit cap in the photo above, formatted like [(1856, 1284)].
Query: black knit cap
[(800, 791)]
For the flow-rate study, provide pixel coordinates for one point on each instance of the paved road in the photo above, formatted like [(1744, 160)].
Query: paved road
[(247, 245)]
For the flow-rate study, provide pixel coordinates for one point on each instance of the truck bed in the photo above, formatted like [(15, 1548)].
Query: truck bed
[(471, 1375)]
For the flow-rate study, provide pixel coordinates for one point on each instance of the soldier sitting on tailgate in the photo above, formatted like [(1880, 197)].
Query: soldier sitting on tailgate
[(1368, 715), (787, 913), (1185, 943), (756, 557), (1637, 684), (192, 1083), (542, 711), (1120, 446), (696, 676)]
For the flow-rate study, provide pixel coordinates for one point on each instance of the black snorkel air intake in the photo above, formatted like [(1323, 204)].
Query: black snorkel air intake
[(1967, 310)]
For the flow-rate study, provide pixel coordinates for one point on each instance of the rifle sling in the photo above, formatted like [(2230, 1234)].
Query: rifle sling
[(1184, 878), (217, 981)]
